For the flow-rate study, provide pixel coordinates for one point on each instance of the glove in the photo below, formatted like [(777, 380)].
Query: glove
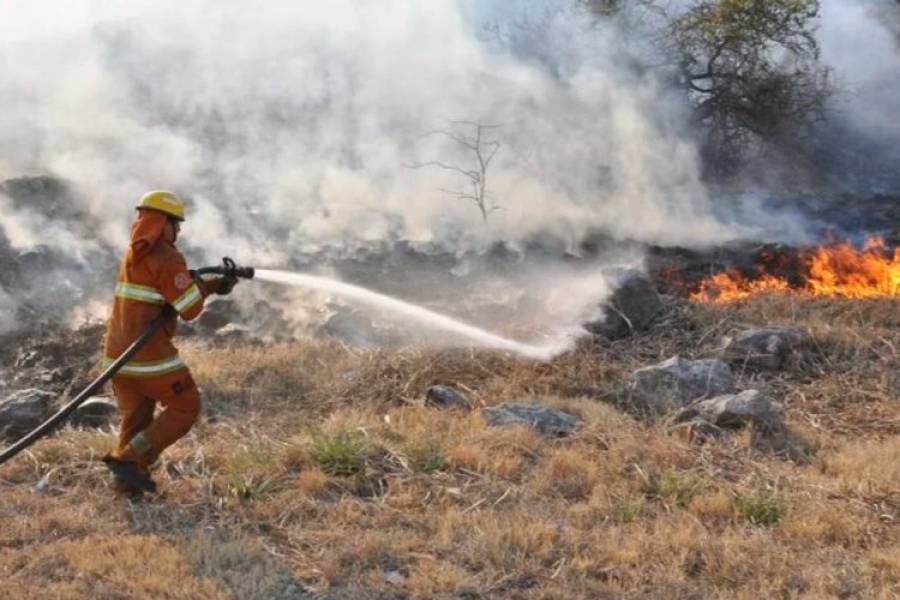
[(225, 283)]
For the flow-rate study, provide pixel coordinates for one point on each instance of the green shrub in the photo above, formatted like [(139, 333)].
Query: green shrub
[(627, 512), (340, 454), (760, 508), (679, 487), (251, 472)]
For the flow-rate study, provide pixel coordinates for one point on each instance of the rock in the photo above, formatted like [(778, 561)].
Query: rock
[(676, 382), (27, 358), (353, 326), (216, 315), (766, 348), (394, 577), (734, 411), (97, 411), (57, 375), (698, 430), (22, 411), (631, 309), (43, 484), (444, 396), (549, 421), (232, 333)]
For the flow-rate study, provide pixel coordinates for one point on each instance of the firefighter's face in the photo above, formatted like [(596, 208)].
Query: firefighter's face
[(173, 226)]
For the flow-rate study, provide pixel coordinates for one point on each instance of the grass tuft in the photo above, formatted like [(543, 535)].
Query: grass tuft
[(760, 508), (250, 488), (429, 458), (341, 454), (679, 488)]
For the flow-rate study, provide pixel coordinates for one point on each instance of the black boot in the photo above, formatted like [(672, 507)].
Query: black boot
[(128, 473)]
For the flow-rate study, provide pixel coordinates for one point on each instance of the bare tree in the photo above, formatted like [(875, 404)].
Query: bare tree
[(483, 150)]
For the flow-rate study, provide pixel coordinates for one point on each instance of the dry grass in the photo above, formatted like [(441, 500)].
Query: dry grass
[(318, 466)]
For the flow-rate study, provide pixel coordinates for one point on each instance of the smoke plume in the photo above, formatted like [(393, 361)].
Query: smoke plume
[(300, 123), (296, 129), (860, 41)]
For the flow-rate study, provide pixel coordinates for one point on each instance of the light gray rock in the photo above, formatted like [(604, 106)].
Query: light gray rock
[(216, 315), (22, 411), (445, 396), (232, 333), (27, 359), (549, 421), (675, 382), (767, 347), (734, 411), (631, 309), (53, 376), (394, 577), (97, 411)]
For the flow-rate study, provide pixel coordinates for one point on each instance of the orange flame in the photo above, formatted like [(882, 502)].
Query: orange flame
[(832, 270)]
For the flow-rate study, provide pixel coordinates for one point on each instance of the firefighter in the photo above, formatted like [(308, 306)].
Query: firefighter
[(153, 273)]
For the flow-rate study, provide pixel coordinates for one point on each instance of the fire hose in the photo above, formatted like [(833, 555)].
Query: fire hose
[(228, 268)]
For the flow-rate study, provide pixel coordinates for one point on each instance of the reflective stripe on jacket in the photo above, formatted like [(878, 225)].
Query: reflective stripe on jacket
[(149, 368)]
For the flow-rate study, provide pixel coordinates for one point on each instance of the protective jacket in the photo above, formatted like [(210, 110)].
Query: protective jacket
[(153, 273)]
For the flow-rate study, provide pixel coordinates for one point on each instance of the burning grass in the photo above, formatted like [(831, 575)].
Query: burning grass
[(832, 270), (319, 466)]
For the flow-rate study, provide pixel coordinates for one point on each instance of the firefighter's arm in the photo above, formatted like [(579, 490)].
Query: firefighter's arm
[(182, 291)]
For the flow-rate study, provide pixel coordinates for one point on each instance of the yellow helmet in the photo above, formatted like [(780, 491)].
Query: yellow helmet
[(164, 202)]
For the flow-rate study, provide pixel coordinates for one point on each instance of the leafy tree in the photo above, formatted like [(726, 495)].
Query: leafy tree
[(750, 68)]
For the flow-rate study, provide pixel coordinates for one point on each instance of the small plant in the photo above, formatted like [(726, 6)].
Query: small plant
[(250, 472), (435, 463), (250, 488), (763, 509), (627, 512), (429, 458), (340, 454), (680, 487)]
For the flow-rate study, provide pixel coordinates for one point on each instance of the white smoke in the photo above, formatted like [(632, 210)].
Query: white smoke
[(29, 229), (7, 312), (293, 126), (860, 40)]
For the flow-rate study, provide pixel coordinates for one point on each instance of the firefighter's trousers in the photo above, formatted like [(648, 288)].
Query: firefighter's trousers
[(141, 437)]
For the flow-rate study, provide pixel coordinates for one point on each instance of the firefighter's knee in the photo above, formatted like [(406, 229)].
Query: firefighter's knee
[(189, 405), (185, 401)]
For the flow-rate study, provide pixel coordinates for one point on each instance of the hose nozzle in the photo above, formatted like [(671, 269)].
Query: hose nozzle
[(227, 268), (230, 268)]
